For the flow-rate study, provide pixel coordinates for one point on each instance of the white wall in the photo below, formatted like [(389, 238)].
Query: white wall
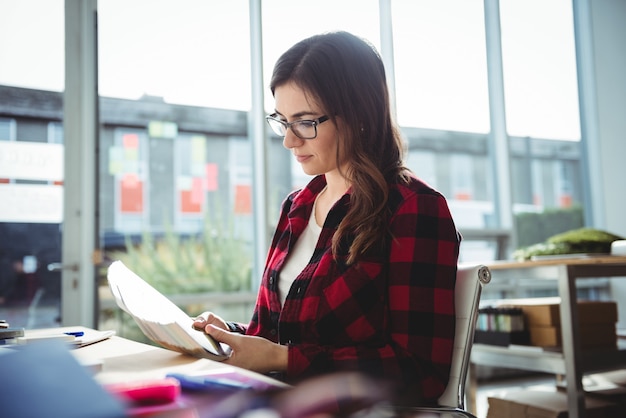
[(609, 48), (608, 149)]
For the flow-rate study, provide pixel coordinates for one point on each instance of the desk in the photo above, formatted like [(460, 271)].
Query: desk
[(572, 362), (117, 360), (121, 360)]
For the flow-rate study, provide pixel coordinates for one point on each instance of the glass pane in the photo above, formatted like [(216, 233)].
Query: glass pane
[(185, 52), (175, 171), (31, 161), (32, 41), (540, 69), (281, 30), (542, 115), (440, 65)]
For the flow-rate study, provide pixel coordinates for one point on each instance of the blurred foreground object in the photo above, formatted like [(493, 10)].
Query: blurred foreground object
[(45, 380), (335, 395)]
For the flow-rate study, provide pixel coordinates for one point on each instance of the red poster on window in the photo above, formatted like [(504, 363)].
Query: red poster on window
[(191, 200), (211, 177), (131, 141), (243, 199), (565, 201), (188, 204), (131, 195), (463, 195)]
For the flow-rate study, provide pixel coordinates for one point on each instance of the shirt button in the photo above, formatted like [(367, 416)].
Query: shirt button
[(271, 280), (273, 332)]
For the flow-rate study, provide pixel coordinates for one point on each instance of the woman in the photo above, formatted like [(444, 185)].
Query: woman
[(361, 270)]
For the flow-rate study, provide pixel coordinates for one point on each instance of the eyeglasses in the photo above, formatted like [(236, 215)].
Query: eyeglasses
[(303, 129)]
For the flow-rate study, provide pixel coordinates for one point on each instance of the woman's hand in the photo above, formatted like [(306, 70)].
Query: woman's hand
[(209, 318), (249, 352)]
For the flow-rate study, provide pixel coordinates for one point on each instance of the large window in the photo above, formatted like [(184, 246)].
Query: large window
[(31, 162), (175, 98), (174, 85)]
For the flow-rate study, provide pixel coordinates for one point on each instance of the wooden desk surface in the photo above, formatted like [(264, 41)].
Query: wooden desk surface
[(121, 360), (561, 260)]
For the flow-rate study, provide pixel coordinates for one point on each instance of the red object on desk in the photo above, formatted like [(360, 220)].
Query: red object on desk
[(146, 392)]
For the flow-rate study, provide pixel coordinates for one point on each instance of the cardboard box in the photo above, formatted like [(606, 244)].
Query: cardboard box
[(591, 336), (597, 321), (505, 408), (545, 404), (539, 313)]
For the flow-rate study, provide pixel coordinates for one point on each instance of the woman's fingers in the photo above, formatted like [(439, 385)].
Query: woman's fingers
[(220, 335), (250, 352), (208, 318), (200, 321)]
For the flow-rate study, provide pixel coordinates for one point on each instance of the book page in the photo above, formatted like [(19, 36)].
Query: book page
[(158, 318)]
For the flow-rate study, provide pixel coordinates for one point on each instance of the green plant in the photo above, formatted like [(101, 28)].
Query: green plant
[(581, 240), (212, 261)]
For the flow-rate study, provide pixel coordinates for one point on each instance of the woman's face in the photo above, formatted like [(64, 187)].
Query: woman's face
[(318, 155)]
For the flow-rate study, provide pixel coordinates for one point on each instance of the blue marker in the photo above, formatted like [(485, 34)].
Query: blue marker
[(207, 383), (75, 333)]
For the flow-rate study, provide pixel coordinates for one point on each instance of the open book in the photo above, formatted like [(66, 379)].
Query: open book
[(158, 318)]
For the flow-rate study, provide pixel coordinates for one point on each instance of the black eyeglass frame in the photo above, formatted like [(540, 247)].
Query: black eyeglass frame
[(314, 123)]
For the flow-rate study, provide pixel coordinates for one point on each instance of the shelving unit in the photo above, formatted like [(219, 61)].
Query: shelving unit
[(546, 361), (572, 362)]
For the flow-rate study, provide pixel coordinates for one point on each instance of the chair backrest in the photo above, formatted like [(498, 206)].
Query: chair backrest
[(470, 280)]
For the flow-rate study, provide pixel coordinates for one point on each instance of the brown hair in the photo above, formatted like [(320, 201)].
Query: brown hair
[(346, 76)]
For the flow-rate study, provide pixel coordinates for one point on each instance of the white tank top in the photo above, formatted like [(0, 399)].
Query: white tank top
[(299, 256)]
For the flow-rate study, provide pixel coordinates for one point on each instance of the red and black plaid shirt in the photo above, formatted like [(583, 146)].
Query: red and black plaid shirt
[(390, 314)]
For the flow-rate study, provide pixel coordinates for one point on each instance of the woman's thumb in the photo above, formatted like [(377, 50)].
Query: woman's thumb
[(219, 334)]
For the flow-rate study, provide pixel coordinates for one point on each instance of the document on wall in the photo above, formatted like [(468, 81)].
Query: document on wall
[(159, 318)]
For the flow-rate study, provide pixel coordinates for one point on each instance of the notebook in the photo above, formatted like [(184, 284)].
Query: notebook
[(158, 318)]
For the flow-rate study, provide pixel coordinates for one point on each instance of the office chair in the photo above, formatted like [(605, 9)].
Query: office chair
[(470, 280)]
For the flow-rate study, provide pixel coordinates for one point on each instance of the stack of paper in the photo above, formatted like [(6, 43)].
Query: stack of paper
[(158, 318)]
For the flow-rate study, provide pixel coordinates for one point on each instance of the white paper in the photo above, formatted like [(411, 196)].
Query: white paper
[(158, 318)]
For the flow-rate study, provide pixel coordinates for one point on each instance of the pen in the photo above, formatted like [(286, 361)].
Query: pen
[(75, 333), (207, 383)]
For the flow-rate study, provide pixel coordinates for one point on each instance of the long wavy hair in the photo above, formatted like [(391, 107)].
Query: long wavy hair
[(346, 76)]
